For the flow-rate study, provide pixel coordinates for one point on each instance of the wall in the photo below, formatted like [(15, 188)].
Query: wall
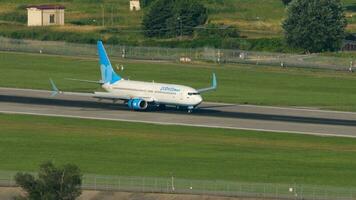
[(34, 17), (135, 4), (58, 19), (38, 17)]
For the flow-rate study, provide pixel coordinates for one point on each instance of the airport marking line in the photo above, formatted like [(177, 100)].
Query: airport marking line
[(178, 124)]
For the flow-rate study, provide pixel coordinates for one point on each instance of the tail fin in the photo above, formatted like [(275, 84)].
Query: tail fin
[(108, 75)]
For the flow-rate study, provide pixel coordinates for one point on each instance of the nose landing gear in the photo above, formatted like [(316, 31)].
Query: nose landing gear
[(189, 109)]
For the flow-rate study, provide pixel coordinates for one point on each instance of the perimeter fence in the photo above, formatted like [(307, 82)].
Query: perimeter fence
[(180, 54), (174, 185)]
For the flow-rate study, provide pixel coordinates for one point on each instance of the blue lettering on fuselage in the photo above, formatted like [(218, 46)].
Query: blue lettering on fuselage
[(169, 89)]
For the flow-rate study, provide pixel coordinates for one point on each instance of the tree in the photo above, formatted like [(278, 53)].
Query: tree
[(154, 21), (53, 183), (315, 25), (145, 3), (286, 2), (174, 17), (187, 15)]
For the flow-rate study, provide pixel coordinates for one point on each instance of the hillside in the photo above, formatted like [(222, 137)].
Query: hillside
[(90, 19)]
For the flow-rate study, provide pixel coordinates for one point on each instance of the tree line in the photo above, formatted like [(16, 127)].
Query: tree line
[(310, 25)]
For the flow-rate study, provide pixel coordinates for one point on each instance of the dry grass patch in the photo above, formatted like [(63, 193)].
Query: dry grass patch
[(78, 29)]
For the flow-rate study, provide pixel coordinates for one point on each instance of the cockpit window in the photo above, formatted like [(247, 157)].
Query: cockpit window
[(193, 93)]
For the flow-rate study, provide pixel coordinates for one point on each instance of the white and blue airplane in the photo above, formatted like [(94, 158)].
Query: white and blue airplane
[(139, 95)]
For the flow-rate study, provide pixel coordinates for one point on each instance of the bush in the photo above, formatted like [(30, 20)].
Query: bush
[(20, 17), (53, 183), (41, 33), (87, 21), (217, 30), (113, 40), (267, 44)]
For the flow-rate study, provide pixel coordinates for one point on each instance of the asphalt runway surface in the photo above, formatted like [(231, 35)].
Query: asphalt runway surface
[(214, 115)]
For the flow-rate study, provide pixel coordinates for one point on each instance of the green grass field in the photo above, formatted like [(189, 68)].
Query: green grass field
[(134, 149), (255, 18), (237, 83)]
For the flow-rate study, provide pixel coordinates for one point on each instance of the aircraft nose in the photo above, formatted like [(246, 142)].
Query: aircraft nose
[(199, 99)]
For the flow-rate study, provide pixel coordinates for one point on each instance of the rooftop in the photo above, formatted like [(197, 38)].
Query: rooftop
[(46, 7)]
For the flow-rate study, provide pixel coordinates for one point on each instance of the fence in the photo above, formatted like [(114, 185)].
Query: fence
[(174, 185), (178, 54)]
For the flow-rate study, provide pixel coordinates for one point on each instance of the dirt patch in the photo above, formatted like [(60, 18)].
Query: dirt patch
[(7, 193), (77, 29)]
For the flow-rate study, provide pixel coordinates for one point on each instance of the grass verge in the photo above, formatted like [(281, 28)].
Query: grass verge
[(135, 149), (244, 84)]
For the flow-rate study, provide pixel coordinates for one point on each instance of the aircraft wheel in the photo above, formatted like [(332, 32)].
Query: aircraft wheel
[(162, 107)]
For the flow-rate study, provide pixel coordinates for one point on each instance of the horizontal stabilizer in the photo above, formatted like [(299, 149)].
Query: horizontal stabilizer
[(55, 90), (86, 81)]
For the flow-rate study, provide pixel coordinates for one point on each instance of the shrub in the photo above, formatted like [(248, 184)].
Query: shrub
[(20, 17), (217, 30), (53, 183)]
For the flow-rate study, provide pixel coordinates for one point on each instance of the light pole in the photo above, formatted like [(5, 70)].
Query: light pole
[(103, 14), (180, 25)]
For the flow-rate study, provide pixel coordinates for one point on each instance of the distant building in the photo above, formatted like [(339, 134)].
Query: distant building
[(45, 15), (135, 5)]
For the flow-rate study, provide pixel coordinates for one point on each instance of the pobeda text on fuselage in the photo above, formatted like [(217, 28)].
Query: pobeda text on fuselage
[(141, 95)]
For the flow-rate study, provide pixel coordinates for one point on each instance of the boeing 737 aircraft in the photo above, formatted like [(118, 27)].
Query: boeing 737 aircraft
[(141, 95)]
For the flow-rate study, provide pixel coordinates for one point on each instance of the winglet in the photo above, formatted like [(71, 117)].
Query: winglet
[(213, 86), (55, 90), (214, 82)]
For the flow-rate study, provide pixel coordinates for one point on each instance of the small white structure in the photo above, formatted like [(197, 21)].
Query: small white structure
[(45, 15), (135, 5), (185, 59)]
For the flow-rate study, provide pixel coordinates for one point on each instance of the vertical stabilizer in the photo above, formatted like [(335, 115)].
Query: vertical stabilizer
[(108, 75)]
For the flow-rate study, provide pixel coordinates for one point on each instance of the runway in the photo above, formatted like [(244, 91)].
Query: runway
[(231, 116)]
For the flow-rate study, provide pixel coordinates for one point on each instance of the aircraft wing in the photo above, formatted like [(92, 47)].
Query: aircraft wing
[(212, 87), (85, 81), (148, 99)]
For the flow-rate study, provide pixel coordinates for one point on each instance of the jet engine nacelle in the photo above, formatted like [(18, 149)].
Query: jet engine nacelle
[(137, 104)]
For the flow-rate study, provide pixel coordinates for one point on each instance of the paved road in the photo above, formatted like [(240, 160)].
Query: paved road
[(246, 117)]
